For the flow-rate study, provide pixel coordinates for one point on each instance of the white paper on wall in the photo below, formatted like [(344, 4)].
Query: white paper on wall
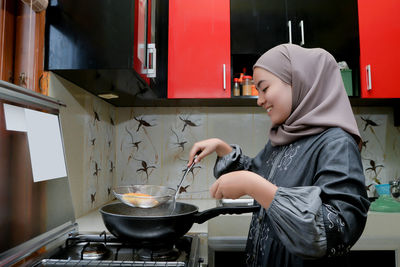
[(15, 118), (45, 145)]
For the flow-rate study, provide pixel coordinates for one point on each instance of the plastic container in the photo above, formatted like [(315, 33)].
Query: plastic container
[(236, 87), (347, 81), (383, 189), (246, 85), (385, 203)]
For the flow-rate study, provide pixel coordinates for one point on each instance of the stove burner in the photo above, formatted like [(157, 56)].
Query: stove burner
[(94, 251), (167, 254)]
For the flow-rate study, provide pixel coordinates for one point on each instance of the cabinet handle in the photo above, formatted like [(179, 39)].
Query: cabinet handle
[(369, 83), (224, 75), (302, 32), (289, 24), (151, 49)]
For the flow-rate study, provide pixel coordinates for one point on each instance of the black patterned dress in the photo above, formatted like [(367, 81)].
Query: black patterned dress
[(320, 208)]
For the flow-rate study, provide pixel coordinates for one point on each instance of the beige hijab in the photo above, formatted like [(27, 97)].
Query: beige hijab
[(319, 97)]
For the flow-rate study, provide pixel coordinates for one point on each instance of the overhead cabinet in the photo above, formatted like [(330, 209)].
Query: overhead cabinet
[(188, 48), (102, 46), (379, 48), (259, 25), (199, 49)]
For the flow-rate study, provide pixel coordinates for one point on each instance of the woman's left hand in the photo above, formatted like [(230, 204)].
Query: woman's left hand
[(231, 185), (239, 183)]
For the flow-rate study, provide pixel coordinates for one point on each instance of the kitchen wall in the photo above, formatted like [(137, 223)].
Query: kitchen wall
[(88, 127), (108, 146), (164, 137), (154, 143)]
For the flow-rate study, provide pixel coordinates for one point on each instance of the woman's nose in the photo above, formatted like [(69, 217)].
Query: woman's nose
[(260, 100)]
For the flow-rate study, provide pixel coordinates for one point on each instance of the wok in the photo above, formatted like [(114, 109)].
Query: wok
[(157, 225)]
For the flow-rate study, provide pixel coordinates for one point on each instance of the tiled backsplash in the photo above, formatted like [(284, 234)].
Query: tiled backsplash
[(108, 146), (154, 143), (88, 126)]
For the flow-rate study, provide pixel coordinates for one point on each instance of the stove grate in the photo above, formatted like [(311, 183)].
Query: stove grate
[(90, 263)]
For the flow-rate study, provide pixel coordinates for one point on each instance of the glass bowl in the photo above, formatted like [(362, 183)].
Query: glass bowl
[(143, 196)]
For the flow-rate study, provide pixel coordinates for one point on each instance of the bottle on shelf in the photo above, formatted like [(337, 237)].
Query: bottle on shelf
[(246, 85), (236, 87)]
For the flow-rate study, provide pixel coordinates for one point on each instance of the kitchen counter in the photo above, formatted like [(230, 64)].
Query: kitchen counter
[(381, 231)]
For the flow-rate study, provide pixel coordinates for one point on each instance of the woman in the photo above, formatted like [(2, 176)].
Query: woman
[(308, 178)]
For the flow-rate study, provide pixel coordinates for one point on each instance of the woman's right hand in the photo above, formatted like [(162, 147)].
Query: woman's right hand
[(208, 146)]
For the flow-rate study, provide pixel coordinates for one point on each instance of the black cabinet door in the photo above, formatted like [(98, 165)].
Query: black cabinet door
[(257, 25), (332, 25)]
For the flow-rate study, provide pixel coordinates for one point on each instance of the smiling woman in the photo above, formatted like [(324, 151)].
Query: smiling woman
[(274, 95), (308, 178)]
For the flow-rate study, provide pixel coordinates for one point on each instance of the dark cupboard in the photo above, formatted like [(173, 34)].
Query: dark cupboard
[(259, 25)]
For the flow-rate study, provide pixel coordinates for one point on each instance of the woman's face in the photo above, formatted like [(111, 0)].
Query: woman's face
[(274, 95)]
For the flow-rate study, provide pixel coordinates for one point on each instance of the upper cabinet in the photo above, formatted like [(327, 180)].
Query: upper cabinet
[(379, 48), (102, 46), (199, 49), (331, 25), (193, 49), (259, 25)]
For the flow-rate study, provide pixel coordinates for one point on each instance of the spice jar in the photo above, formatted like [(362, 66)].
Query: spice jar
[(236, 87), (246, 85)]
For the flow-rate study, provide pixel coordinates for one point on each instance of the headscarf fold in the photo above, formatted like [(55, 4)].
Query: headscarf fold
[(319, 99)]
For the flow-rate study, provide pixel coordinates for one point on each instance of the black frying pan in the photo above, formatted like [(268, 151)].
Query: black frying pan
[(157, 225)]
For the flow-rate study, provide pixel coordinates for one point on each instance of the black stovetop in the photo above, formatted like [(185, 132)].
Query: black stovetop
[(102, 250)]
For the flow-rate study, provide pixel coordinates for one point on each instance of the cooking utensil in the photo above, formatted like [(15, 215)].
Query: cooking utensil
[(157, 225), (178, 189), (184, 176), (143, 196)]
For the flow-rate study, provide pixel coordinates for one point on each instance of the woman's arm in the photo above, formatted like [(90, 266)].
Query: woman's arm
[(330, 214), (239, 183)]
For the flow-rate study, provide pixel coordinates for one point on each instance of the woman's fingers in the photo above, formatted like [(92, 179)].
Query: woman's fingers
[(215, 191), (201, 149), (202, 153), (195, 150)]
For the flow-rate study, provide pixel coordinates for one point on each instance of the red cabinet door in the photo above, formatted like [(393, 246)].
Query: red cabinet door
[(379, 48), (199, 49)]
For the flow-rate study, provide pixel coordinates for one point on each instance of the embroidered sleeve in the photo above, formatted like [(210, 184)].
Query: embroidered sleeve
[(297, 218), (233, 161), (341, 179), (331, 214)]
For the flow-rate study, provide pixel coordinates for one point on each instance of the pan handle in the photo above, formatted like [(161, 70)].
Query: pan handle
[(201, 217)]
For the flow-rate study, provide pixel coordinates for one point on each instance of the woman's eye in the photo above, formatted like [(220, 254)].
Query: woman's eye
[(265, 89)]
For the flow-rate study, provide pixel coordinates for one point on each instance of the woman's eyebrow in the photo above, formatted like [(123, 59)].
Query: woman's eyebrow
[(259, 83)]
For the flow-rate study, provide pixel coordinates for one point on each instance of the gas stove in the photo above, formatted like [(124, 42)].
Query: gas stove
[(107, 250)]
